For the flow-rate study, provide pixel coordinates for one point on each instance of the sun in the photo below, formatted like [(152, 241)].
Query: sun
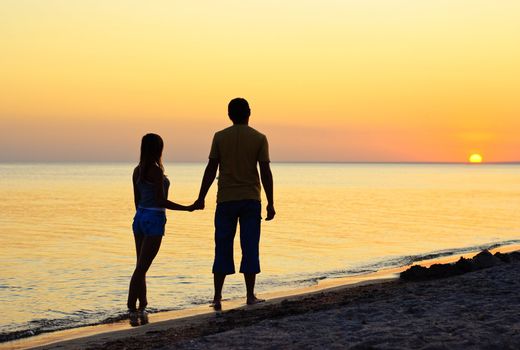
[(475, 158)]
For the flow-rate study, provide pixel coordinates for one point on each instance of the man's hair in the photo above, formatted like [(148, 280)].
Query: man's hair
[(238, 110)]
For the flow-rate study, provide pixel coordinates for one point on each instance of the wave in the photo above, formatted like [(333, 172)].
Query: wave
[(77, 319), (387, 263), (82, 318), (411, 259)]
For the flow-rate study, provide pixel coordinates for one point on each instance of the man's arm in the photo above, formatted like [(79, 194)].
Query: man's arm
[(267, 182), (207, 180)]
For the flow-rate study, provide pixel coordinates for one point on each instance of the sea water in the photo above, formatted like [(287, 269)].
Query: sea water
[(67, 249)]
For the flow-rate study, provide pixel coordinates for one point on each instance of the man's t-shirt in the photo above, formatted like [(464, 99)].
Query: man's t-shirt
[(238, 149)]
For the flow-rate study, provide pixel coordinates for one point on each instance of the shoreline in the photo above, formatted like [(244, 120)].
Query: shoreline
[(162, 322)]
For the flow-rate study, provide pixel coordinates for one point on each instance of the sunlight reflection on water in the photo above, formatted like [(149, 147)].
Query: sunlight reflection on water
[(67, 249)]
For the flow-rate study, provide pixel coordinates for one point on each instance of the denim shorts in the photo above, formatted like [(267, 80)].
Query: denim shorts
[(149, 222), (227, 216)]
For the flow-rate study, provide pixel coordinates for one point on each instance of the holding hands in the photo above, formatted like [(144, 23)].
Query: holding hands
[(197, 205)]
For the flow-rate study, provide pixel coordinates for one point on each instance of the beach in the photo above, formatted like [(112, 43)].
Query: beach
[(329, 157), (75, 261), (56, 289), (476, 310)]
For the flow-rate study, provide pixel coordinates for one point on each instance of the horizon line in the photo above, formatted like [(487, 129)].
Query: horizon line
[(274, 162)]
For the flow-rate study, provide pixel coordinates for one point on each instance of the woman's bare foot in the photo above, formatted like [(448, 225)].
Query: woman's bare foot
[(254, 300), (132, 316), (143, 317)]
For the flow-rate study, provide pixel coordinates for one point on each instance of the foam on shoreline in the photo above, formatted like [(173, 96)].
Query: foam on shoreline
[(200, 314)]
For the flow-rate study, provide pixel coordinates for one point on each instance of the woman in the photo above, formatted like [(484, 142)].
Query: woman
[(150, 196)]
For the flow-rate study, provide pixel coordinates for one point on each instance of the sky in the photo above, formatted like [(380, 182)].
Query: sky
[(327, 80)]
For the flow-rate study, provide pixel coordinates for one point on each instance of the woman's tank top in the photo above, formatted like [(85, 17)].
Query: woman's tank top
[(147, 193)]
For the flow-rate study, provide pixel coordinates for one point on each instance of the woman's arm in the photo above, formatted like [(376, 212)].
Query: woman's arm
[(135, 177), (157, 177)]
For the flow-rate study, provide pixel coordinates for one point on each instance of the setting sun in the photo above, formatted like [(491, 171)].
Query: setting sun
[(475, 158)]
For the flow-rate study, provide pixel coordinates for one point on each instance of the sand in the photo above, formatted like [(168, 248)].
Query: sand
[(479, 310), (476, 310)]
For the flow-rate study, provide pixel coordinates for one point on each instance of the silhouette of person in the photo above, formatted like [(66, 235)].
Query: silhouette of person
[(150, 197), (235, 152)]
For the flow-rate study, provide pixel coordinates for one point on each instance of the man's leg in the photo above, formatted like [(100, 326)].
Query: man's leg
[(249, 241), (218, 282), (226, 221), (250, 288)]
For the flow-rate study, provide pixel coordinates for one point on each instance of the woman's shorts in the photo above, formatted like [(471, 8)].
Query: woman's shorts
[(149, 222)]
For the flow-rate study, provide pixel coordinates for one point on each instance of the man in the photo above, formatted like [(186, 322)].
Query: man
[(235, 152)]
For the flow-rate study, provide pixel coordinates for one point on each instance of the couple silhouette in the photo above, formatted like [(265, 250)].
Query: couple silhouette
[(235, 153)]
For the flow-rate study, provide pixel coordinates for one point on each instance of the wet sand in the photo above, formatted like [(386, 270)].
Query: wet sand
[(476, 310)]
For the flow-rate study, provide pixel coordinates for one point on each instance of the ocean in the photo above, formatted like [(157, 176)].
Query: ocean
[(67, 250)]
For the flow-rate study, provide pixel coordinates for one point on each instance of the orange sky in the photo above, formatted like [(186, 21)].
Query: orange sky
[(373, 80)]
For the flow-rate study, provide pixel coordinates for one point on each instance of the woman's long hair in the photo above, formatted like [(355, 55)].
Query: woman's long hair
[(151, 154)]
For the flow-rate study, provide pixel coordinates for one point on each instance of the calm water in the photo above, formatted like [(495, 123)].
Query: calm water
[(67, 251)]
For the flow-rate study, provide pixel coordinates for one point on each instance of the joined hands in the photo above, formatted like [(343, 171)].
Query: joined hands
[(197, 205)]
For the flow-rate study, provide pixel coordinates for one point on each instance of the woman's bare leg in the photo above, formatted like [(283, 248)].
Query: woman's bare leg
[(148, 251)]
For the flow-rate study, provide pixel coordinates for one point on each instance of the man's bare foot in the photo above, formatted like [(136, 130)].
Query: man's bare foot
[(216, 304), (254, 300)]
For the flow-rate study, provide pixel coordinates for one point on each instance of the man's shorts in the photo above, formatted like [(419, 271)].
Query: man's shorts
[(227, 215), (149, 222)]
